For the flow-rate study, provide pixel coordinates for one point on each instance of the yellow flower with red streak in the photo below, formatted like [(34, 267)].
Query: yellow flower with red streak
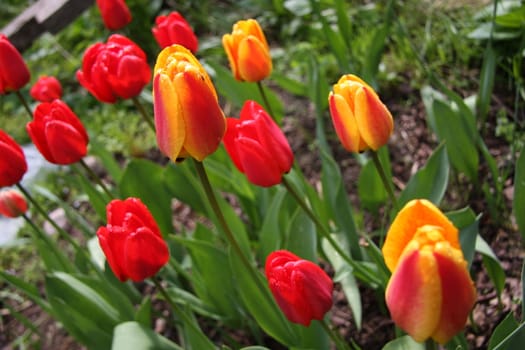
[(188, 118), (430, 293), (248, 51)]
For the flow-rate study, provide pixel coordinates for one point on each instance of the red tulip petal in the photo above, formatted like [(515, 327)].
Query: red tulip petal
[(111, 242), (145, 254), (259, 165), (230, 142), (65, 143)]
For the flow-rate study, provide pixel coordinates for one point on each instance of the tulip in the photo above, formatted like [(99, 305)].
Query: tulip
[(13, 163), (116, 69), (12, 204), (301, 288), (188, 118), (257, 146), (247, 51), (360, 119), (115, 13), (132, 241), (173, 29), (46, 89), (58, 133), (14, 73), (430, 293)]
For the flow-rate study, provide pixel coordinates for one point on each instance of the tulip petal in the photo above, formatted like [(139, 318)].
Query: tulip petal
[(413, 294), (230, 139), (258, 165), (416, 213), (254, 59), (145, 253), (203, 118), (110, 243), (374, 120), (65, 143), (169, 122), (230, 47), (13, 164), (345, 123), (459, 294)]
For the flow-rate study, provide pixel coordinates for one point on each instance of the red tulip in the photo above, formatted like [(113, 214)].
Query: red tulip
[(301, 288), (257, 146), (132, 241), (46, 89), (58, 133), (12, 204), (115, 13), (117, 69), (430, 293), (13, 163), (14, 73), (173, 29)]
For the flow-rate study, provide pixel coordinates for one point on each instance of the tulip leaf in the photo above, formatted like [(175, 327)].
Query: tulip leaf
[(107, 159), (256, 296), (302, 238), (96, 199), (143, 313), (370, 188), (133, 335), (29, 290), (404, 343), (271, 234), (182, 183), (430, 182), (486, 83), (344, 275), (467, 223), (145, 179), (492, 264), (518, 204), (508, 334)]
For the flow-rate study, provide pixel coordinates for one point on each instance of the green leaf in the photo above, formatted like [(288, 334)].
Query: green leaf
[(508, 335), (370, 187), (107, 159), (145, 180), (302, 237), (143, 314), (29, 290), (518, 204), (183, 184), (133, 335), (404, 343), (271, 234), (96, 199), (486, 83), (257, 298), (430, 182), (492, 264), (467, 223)]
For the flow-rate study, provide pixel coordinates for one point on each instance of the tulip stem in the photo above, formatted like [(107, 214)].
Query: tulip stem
[(265, 99), (24, 103), (335, 336), (94, 176), (430, 344), (326, 234), (147, 118), (201, 171), (386, 183)]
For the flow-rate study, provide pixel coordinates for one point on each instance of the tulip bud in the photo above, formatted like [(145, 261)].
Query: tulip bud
[(12, 204), (257, 146), (360, 119), (13, 163), (115, 13), (302, 289), (116, 69), (14, 73), (58, 133), (188, 118), (46, 89), (132, 241), (430, 293), (173, 29), (247, 51)]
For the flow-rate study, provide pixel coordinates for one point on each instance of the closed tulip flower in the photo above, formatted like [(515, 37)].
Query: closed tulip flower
[(115, 13), (58, 133), (430, 293), (13, 163), (360, 119), (14, 73), (173, 29), (46, 89), (248, 51), (301, 288), (132, 241), (188, 119), (257, 146), (12, 204), (116, 69)]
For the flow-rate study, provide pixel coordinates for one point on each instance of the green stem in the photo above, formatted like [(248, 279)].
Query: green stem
[(335, 336), (147, 118), (430, 344), (326, 234), (94, 176), (384, 179), (24, 103), (265, 99)]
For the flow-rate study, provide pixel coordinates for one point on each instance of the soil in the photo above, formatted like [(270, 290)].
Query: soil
[(410, 146)]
